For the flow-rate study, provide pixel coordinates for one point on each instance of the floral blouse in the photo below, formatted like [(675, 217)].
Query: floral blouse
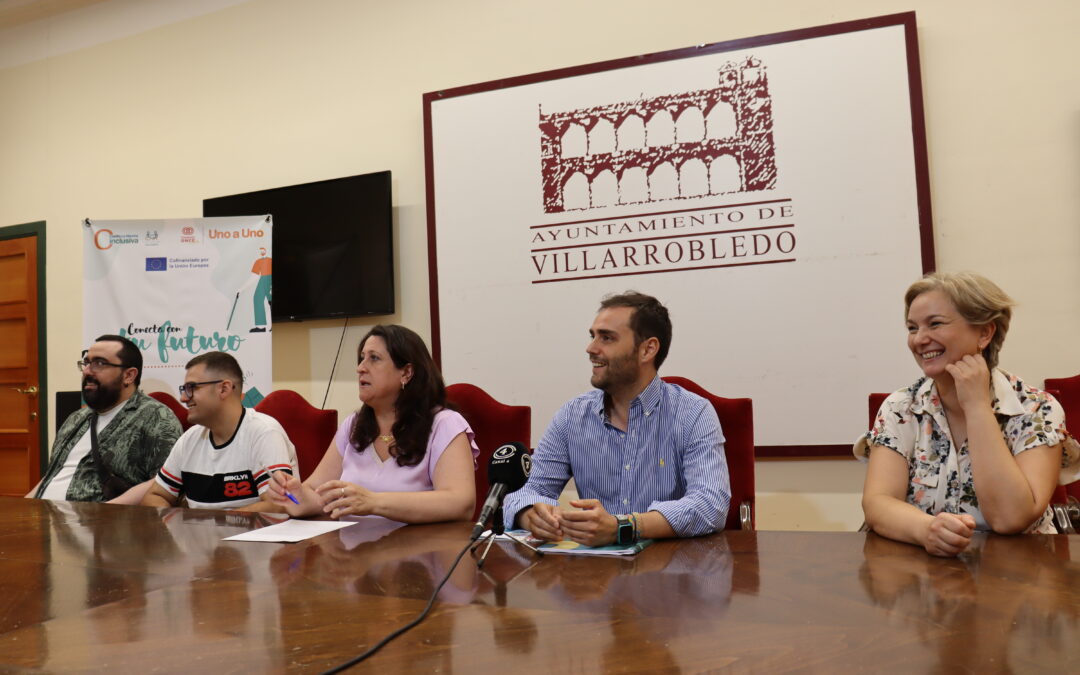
[(912, 422)]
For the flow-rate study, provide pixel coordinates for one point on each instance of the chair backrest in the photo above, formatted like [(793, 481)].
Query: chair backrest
[(493, 424), (875, 401), (737, 422), (172, 404), (1067, 392), (311, 430)]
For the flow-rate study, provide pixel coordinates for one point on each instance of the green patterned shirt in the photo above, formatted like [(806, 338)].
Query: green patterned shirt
[(134, 446)]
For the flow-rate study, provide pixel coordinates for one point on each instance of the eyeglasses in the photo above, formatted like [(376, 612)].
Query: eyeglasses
[(96, 365), (188, 388)]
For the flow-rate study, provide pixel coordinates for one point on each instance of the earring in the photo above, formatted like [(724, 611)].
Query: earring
[(403, 385)]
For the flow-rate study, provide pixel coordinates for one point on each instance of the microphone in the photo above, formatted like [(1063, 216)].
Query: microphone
[(508, 470)]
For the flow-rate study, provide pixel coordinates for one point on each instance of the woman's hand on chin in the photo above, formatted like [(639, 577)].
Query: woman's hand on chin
[(971, 378)]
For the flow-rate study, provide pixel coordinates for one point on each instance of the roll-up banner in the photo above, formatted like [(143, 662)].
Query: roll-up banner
[(180, 288)]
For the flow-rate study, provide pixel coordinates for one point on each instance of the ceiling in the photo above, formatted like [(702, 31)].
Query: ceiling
[(32, 30), (17, 12)]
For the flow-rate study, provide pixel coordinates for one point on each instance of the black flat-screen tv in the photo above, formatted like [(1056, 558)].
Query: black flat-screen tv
[(332, 245)]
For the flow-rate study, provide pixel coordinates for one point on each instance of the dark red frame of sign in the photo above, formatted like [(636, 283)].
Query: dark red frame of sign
[(918, 135)]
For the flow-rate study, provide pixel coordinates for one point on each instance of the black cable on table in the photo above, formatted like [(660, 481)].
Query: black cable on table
[(383, 642)]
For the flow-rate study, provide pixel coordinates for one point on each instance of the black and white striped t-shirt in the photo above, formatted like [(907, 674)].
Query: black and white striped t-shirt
[(231, 475)]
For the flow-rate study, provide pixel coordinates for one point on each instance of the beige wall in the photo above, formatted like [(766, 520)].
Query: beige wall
[(275, 92)]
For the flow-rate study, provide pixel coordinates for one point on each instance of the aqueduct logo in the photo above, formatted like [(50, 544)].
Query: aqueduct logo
[(677, 146), (691, 145)]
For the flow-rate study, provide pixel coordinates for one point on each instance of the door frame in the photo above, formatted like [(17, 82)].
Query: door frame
[(37, 229)]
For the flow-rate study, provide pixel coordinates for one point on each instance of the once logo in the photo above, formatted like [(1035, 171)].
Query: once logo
[(108, 239), (188, 230)]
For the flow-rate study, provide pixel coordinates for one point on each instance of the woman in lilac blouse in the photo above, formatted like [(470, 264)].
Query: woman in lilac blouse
[(402, 455)]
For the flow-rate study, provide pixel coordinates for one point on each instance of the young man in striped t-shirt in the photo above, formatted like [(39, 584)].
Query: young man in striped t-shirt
[(224, 460)]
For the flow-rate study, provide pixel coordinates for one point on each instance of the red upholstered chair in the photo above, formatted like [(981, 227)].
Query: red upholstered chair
[(875, 401), (737, 422), (311, 430), (1067, 391), (493, 423), (176, 406), (1061, 492)]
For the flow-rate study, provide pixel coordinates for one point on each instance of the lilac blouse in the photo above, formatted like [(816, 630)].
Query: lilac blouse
[(367, 470)]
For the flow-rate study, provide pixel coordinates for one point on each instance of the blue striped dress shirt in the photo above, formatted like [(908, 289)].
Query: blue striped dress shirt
[(670, 459)]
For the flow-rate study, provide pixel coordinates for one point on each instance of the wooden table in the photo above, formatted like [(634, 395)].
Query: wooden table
[(89, 587)]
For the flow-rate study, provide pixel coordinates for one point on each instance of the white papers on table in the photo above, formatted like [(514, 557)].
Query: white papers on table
[(291, 531)]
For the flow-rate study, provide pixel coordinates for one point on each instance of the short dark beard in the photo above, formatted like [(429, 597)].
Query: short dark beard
[(618, 375), (100, 399)]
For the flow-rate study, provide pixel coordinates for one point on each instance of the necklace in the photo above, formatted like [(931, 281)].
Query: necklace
[(387, 439)]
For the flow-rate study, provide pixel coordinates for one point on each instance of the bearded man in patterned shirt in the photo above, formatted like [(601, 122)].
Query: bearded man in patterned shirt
[(134, 432)]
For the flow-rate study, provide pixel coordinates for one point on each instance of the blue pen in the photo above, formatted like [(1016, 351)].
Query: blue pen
[(289, 495)]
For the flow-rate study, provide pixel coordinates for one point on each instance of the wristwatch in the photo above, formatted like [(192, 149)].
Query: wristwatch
[(624, 530)]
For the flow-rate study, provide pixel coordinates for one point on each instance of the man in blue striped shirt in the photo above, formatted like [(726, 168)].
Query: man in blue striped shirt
[(647, 456)]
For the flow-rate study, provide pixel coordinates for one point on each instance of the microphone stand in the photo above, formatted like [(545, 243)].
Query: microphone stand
[(497, 528)]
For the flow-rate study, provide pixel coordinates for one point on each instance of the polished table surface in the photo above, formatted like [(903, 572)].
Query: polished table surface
[(91, 587)]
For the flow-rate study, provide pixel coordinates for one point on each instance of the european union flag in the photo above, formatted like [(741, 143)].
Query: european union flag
[(156, 264)]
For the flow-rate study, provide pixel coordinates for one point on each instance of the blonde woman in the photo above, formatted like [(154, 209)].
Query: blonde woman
[(968, 446)]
